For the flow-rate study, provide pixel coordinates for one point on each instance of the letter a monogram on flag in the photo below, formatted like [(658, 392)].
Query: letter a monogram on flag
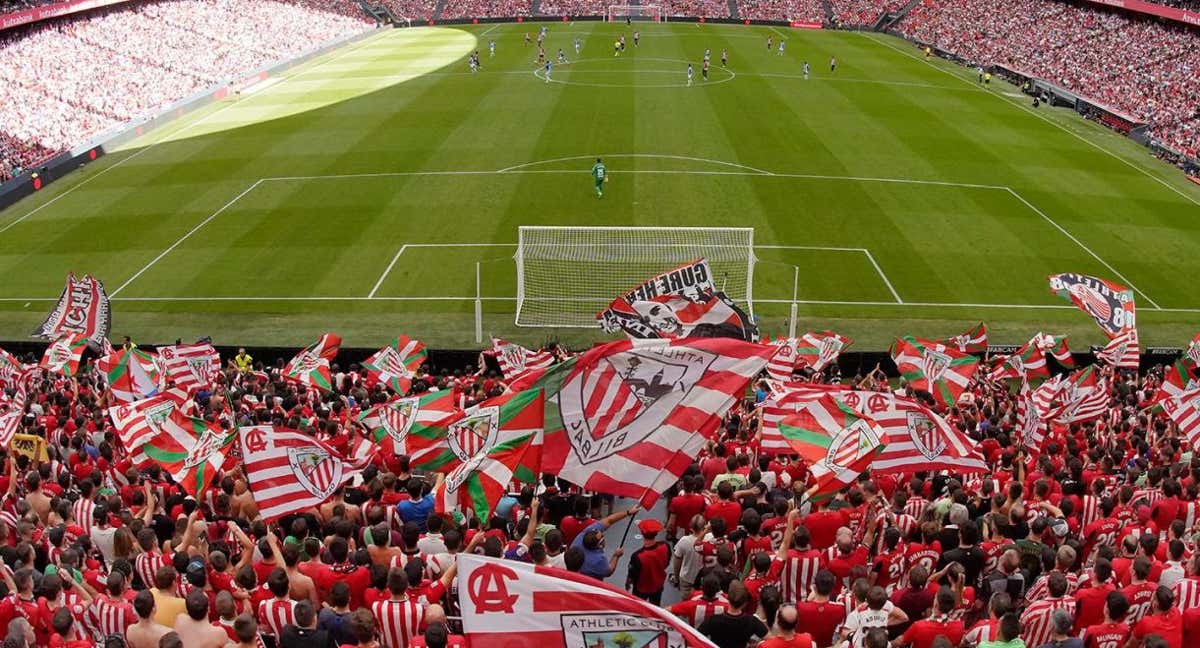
[(289, 471), (508, 604)]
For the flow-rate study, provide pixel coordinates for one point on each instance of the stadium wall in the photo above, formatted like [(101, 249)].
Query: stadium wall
[(34, 180)]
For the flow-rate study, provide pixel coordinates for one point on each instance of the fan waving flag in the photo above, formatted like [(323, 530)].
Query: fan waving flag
[(973, 341), (1082, 397), (190, 366), (1027, 361), (934, 367), (838, 442), (1179, 377), (1056, 346), (1109, 304), (784, 400), (1030, 429), (395, 365), (310, 367), (82, 310), (515, 359), (508, 604), (138, 422), (820, 349), (624, 417), (1184, 411), (191, 450), (681, 302), (64, 354), (10, 369), (12, 409), (783, 363), (415, 426), (495, 442), (1121, 352), (289, 471), (126, 374)]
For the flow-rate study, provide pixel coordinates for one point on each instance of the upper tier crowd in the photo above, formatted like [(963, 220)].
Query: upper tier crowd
[(1141, 67), (130, 63), (1091, 535)]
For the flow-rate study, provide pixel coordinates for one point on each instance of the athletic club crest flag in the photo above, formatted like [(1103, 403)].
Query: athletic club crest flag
[(934, 367), (289, 471), (138, 422), (310, 367), (836, 441), (820, 349), (1109, 304), (130, 374), (63, 355), (395, 365), (627, 418), (189, 366), (681, 302), (507, 604), (415, 426), (972, 341), (191, 450), (82, 310)]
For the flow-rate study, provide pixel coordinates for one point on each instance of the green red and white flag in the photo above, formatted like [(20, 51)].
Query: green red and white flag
[(783, 400), (288, 471), (627, 418), (1030, 360), (1123, 351), (63, 355), (1184, 411), (414, 426), (189, 366), (838, 442), (515, 360), (1057, 347), (138, 422), (916, 439), (496, 442), (1109, 304), (934, 367), (1179, 377), (396, 364), (191, 450), (126, 374), (82, 310), (819, 349), (310, 367), (974, 340)]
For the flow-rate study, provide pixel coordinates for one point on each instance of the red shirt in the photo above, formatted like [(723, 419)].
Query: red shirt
[(729, 511), (821, 620), (1140, 597), (799, 640), (1106, 635), (822, 527), (571, 526), (923, 633), (358, 578), (1089, 605), (684, 507), (1191, 627), (889, 568), (1169, 626), (842, 564)]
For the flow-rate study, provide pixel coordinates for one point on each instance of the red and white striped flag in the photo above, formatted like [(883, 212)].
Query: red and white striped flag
[(1081, 397), (783, 363), (785, 399), (819, 349), (628, 417), (289, 471), (517, 605), (139, 421), (1184, 411), (1030, 428), (515, 359), (12, 409), (972, 341), (1122, 351), (190, 366), (10, 368)]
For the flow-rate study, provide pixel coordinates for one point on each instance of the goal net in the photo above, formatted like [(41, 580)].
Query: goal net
[(566, 275), (617, 13)]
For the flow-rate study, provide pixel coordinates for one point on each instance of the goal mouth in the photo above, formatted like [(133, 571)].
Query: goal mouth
[(639, 13), (567, 275)]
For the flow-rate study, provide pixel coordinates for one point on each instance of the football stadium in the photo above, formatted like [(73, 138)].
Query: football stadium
[(524, 323)]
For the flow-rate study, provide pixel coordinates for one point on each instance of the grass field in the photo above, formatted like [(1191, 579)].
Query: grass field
[(357, 194)]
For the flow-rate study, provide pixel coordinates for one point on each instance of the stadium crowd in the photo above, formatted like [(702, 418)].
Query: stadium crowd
[(1091, 535), (863, 12), (128, 63), (1137, 65), (798, 10), (483, 8)]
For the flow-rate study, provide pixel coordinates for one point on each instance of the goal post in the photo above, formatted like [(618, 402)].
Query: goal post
[(617, 13), (566, 275)]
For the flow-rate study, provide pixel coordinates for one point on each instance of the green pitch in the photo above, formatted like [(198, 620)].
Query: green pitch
[(357, 194)]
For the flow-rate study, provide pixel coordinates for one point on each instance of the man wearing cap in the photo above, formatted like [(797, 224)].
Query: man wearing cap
[(648, 565)]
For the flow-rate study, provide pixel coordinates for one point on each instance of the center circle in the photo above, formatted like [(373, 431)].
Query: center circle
[(591, 73)]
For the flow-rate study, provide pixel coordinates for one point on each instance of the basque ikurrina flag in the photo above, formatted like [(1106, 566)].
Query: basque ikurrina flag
[(837, 441), (310, 367), (131, 374), (933, 367), (191, 450), (413, 426), (395, 365), (495, 442)]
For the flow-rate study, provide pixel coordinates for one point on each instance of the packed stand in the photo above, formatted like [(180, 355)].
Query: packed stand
[(791, 10), (1139, 66), (16, 155), (412, 9), (573, 7), (14, 6), (484, 8), (863, 12), (133, 61)]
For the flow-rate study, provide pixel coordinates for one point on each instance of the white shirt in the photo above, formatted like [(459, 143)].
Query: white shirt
[(859, 621), (689, 559), (103, 539), (559, 561), (431, 544)]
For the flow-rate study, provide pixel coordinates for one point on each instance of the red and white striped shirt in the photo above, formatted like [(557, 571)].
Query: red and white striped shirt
[(107, 616), (275, 613), (82, 510), (146, 565), (1187, 593), (695, 610), (398, 621), (1089, 511), (915, 506), (1041, 588), (1036, 622), (986, 630), (799, 571)]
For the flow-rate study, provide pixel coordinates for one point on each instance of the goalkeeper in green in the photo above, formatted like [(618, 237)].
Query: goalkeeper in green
[(599, 176)]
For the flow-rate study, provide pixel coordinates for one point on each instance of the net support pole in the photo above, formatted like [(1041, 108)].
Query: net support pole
[(478, 307), (795, 291)]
